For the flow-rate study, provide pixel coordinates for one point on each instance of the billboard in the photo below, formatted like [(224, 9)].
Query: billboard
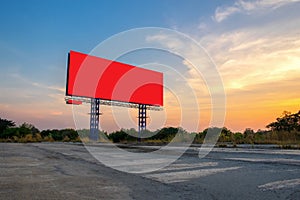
[(95, 77)]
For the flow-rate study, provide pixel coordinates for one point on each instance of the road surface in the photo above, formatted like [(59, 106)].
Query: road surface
[(68, 171)]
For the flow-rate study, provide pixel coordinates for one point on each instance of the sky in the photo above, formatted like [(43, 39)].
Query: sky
[(255, 46)]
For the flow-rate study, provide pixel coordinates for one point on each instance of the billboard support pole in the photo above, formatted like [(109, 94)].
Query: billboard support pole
[(94, 119), (142, 119)]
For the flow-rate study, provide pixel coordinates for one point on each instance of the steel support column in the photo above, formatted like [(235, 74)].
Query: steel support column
[(94, 119), (142, 119)]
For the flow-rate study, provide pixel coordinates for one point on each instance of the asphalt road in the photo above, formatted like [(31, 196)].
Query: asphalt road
[(69, 171)]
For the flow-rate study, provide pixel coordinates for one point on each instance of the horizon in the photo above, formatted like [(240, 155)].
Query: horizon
[(254, 45)]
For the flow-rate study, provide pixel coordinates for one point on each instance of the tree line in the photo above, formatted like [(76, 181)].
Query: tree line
[(26, 132), (285, 130)]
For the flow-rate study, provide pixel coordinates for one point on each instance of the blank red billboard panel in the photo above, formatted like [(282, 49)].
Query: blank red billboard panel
[(94, 77)]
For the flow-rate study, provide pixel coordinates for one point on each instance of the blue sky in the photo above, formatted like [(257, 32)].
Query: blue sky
[(36, 35), (253, 43)]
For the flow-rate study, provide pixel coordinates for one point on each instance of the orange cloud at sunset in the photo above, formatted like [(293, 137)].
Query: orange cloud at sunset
[(253, 46)]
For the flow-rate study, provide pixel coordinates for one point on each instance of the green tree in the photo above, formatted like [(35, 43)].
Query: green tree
[(69, 133), (56, 135), (45, 133), (287, 122), (4, 124), (238, 138), (199, 138), (120, 136), (249, 135), (165, 134), (27, 128), (226, 135), (10, 132)]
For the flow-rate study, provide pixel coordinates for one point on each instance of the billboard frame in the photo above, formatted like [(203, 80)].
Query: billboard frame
[(107, 99)]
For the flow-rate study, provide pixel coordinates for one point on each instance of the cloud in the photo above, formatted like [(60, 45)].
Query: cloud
[(224, 12), (167, 41), (200, 87), (258, 59), (245, 57), (196, 68), (22, 80), (34, 102), (242, 6)]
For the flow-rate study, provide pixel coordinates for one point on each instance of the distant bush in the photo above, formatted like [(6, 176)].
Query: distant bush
[(285, 132)]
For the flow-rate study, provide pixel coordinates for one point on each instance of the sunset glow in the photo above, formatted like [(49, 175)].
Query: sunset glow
[(255, 46)]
